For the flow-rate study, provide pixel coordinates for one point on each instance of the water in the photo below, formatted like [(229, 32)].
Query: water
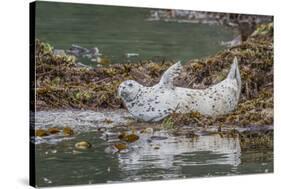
[(117, 31), (156, 155)]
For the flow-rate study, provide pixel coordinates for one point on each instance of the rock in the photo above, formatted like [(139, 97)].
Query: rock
[(103, 60), (120, 146), (68, 131), (129, 55), (80, 64), (41, 133), (131, 138), (156, 148), (83, 145), (148, 130), (158, 138), (53, 130), (109, 135), (77, 50), (59, 52), (128, 138)]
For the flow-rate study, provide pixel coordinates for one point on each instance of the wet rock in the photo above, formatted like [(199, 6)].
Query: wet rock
[(129, 55), (83, 145), (131, 138), (53, 130), (120, 146), (128, 137), (67, 131), (41, 133), (59, 52), (158, 138), (148, 130), (156, 147), (110, 135)]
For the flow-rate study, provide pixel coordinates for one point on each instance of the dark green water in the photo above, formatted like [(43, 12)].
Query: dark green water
[(120, 30)]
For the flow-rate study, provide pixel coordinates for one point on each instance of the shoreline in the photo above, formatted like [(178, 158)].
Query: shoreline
[(61, 84)]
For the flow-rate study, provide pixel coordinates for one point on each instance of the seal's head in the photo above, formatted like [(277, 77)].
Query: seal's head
[(128, 90)]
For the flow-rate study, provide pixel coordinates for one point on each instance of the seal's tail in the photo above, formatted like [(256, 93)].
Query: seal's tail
[(234, 73)]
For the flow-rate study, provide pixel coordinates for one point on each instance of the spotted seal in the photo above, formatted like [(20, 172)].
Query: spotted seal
[(156, 102)]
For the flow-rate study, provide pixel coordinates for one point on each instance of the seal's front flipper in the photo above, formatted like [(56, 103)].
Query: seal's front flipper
[(169, 75)]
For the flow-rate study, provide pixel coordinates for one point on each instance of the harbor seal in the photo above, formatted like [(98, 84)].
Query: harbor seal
[(156, 102)]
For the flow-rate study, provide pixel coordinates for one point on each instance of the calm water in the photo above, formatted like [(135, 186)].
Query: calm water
[(120, 30), (156, 155)]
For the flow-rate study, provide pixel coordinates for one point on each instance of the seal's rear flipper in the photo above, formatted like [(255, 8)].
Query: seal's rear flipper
[(234, 73), (169, 75)]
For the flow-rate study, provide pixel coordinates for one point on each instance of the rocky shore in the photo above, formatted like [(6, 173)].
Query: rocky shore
[(61, 83)]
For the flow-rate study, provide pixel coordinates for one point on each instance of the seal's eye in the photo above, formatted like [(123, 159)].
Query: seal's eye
[(130, 84)]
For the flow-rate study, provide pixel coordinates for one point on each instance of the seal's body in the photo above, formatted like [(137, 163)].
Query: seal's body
[(156, 102)]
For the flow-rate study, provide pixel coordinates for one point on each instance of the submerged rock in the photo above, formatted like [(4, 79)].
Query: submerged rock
[(158, 138), (68, 131), (83, 145), (41, 133), (53, 130), (120, 146), (128, 137)]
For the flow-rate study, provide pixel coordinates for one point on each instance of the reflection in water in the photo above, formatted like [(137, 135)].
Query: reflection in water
[(162, 153), (157, 155), (175, 153)]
